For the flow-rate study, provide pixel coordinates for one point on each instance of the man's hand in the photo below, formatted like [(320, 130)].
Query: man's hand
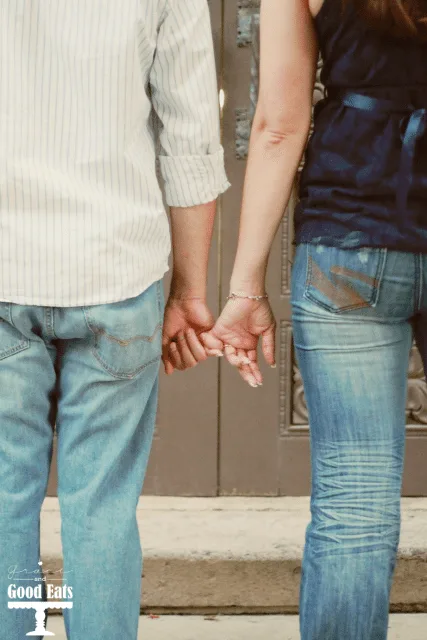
[(184, 321)]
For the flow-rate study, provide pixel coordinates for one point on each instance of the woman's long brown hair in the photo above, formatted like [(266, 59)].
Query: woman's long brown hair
[(401, 18)]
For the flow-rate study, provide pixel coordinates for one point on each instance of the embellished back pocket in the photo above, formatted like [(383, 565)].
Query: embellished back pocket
[(340, 280)]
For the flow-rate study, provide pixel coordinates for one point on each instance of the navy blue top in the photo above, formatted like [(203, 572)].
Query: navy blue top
[(364, 182)]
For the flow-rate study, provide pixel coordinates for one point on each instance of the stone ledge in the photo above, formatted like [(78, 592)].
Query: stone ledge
[(401, 627), (240, 554)]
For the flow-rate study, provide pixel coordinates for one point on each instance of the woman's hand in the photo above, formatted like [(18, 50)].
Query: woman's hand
[(239, 327), (184, 321)]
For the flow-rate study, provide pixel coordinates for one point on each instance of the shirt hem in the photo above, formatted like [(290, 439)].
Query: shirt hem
[(109, 299)]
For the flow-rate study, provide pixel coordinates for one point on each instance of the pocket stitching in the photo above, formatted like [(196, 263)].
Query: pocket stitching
[(159, 301), (21, 346), (124, 343), (92, 326)]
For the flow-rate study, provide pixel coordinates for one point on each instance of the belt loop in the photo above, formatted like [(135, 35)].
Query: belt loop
[(49, 311)]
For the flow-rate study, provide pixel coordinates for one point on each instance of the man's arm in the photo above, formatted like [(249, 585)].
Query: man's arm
[(184, 94), (192, 229)]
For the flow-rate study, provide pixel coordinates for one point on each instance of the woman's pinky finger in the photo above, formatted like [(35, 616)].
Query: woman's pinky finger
[(253, 357), (247, 375), (256, 372), (169, 368)]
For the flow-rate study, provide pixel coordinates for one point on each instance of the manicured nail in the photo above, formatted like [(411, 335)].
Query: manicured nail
[(273, 366), (253, 384), (246, 361), (218, 353)]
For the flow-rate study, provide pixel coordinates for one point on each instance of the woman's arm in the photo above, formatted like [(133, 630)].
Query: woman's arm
[(288, 60)]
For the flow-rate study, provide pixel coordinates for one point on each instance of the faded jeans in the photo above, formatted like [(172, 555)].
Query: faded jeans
[(355, 314), (92, 371)]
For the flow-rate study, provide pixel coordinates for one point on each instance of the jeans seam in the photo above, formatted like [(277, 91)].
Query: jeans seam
[(159, 298), (380, 274), (9, 315)]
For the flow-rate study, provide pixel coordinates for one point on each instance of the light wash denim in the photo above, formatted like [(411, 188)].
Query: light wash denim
[(355, 314), (94, 371)]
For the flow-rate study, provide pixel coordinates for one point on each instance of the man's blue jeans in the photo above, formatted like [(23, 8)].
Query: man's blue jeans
[(94, 372), (355, 313)]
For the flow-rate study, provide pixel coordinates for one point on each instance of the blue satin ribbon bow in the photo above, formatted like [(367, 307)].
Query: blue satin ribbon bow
[(413, 127)]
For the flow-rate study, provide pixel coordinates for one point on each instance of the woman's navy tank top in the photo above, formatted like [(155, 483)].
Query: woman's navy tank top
[(364, 182)]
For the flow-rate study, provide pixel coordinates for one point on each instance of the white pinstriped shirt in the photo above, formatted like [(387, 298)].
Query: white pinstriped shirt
[(82, 217)]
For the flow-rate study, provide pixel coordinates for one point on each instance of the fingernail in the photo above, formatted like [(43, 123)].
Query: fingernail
[(273, 366), (216, 352), (253, 384), (246, 361)]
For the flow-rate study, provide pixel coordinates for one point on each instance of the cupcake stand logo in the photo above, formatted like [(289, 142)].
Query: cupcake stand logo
[(60, 597)]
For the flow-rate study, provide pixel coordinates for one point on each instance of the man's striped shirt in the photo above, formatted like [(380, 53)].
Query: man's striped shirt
[(82, 216)]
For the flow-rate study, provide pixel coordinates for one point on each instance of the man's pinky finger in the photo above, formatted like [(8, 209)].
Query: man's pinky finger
[(169, 368)]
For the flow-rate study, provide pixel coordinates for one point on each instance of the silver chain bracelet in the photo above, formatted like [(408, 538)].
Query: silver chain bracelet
[(236, 295)]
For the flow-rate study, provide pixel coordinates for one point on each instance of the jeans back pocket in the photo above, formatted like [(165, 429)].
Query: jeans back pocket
[(127, 335), (340, 280), (11, 339)]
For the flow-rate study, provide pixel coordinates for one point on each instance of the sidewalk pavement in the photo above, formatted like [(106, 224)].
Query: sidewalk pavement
[(402, 627), (240, 555)]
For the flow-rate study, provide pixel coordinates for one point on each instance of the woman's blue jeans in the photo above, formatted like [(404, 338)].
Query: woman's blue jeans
[(94, 372), (355, 314)]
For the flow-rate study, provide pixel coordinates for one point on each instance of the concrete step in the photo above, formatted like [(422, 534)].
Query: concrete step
[(402, 627), (240, 555)]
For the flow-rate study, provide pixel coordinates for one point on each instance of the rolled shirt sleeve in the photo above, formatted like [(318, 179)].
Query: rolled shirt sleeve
[(184, 94)]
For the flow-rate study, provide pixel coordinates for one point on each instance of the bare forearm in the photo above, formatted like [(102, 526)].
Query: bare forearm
[(192, 229), (272, 164)]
